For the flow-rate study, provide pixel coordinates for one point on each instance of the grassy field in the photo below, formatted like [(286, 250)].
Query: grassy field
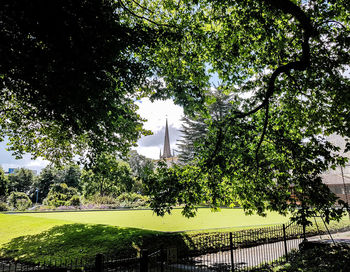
[(146, 219), (43, 235), (38, 236)]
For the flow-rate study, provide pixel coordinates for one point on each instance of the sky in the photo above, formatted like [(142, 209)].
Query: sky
[(149, 146)]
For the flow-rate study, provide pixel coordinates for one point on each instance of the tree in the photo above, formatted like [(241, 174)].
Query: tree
[(21, 180), (19, 201), (48, 176), (107, 177), (141, 167), (61, 195), (195, 127), (3, 185), (283, 63), (69, 71), (70, 175)]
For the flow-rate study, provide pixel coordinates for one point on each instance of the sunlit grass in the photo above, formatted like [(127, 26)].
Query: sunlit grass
[(12, 226), (37, 236), (146, 219)]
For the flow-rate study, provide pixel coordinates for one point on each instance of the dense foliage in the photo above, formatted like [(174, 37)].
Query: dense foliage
[(108, 176), (109, 181), (71, 72), (21, 181), (19, 201), (3, 185), (195, 126), (284, 65), (61, 195), (68, 72)]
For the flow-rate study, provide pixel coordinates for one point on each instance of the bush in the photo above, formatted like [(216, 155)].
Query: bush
[(3, 206), (322, 259), (132, 200), (19, 201), (98, 199), (74, 201), (60, 195)]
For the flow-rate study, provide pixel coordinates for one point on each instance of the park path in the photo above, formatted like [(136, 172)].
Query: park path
[(253, 256), (247, 257)]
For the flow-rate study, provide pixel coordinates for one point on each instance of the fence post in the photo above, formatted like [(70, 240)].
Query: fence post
[(285, 242), (231, 252), (144, 260), (99, 263)]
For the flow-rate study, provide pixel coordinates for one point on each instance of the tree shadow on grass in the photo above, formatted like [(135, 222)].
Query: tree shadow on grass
[(84, 241), (76, 241)]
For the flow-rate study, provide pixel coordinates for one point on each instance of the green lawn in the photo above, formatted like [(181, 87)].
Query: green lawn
[(43, 235), (38, 236), (146, 219), (14, 225)]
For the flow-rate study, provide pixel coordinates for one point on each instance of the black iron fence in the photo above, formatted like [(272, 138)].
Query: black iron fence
[(242, 250)]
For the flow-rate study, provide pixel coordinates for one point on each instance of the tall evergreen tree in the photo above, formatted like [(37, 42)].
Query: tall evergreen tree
[(195, 127)]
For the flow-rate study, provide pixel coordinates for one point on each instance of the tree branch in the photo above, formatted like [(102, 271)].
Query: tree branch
[(262, 136), (286, 7), (309, 31), (143, 18)]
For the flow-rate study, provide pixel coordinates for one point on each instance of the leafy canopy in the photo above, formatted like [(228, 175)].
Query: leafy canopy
[(284, 65), (71, 70), (107, 177), (69, 74)]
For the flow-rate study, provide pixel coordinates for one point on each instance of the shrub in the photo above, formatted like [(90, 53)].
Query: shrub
[(98, 199), (132, 200), (3, 206), (74, 201), (19, 201), (60, 195), (323, 258)]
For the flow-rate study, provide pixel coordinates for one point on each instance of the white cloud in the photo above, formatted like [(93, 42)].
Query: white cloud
[(38, 163), (151, 152), (149, 146), (7, 161), (156, 113)]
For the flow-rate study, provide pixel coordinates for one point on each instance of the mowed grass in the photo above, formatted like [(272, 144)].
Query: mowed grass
[(38, 236), (14, 225), (146, 219), (43, 236)]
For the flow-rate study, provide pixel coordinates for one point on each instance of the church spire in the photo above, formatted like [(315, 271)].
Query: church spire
[(166, 151)]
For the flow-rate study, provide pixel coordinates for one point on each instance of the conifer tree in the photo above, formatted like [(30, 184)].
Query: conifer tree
[(195, 127)]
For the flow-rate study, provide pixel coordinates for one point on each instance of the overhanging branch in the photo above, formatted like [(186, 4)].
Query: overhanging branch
[(302, 64)]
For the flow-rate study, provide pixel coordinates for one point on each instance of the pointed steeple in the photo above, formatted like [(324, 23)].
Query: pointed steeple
[(166, 151)]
